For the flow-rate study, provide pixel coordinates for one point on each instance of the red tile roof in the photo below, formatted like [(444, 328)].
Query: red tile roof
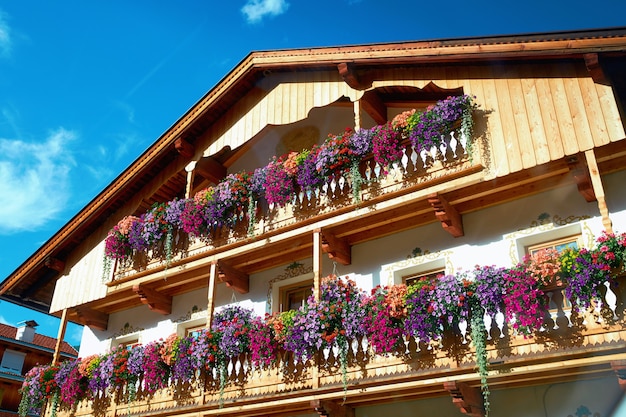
[(46, 342)]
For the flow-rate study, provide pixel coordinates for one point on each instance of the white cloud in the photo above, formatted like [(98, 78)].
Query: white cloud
[(34, 180), (255, 10), (5, 36)]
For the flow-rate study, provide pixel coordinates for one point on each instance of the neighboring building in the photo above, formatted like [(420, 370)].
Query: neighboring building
[(21, 349), (546, 168)]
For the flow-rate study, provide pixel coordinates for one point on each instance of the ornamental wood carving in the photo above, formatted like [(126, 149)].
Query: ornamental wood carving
[(346, 70), (449, 217), (620, 371), (372, 104), (55, 264), (233, 278), (467, 399), (156, 301), (337, 249), (184, 148), (326, 408), (92, 318), (581, 175)]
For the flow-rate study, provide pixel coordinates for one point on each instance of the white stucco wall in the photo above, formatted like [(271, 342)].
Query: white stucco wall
[(489, 236)]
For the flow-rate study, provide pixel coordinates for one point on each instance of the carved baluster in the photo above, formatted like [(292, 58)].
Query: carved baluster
[(377, 171), (463, 329), (414, 157), (404, 161), (500, 323), (443, 147), (487, 319), (453, 143), (611, 298)]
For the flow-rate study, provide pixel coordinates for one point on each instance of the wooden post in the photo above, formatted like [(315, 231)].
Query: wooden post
[(317, 262), (211, 295), (598, 189), (60, 337), (190, 176), (357, 115), (317, 276)]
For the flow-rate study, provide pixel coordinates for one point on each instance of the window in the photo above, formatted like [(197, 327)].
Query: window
[(289, 290), (559, 305), (295, 295), (432, 274), (411, 269), (570, 242), (195, 330), (13, 361), (543, 236), (130, 344), (127, 341)]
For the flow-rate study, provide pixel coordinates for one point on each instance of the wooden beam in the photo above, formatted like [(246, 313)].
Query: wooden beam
[(346, 71), (580, 172), (592, 61), (210, 169), (55, 264), (155, 300), (598, 189), (211, 294), (449, 217), (374, 107), (60, 337), (328, 408), (92, 318), (467, 399), (233, 278), (337, 249), (184, 148)]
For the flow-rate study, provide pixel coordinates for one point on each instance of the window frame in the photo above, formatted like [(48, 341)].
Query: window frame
[(396, 272), (17, 356), (274, 293)]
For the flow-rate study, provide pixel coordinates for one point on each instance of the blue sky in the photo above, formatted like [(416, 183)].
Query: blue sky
[(86, 87)]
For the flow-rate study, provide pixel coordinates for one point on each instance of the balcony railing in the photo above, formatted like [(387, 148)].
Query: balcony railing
[(569, 343), (455, 157)]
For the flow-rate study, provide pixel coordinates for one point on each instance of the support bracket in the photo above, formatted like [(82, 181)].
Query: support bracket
[(580, 172), (55, 264), (619, 367), (449, 217), (592, 61), (327, 408), (210, 169), (92, 318), (184, 148), (233, 278), (372, 104), (467, 399), (337, 249), (155, 300)]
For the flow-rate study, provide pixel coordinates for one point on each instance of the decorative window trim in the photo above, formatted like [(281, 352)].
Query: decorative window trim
[(391, 274), (193, 318), (128, 339), (292, 275), (522, 239)]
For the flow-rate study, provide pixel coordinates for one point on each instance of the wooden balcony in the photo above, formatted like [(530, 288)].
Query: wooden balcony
[(570, 346), (406, 195)]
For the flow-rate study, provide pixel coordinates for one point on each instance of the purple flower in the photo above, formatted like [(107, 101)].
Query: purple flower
[(490, 287)]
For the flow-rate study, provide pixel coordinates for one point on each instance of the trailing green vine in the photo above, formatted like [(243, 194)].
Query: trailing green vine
[(478, 338), (357, 181)]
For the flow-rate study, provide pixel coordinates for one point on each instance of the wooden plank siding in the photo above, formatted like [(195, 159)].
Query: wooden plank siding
[(535, 113), (282, 102)]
